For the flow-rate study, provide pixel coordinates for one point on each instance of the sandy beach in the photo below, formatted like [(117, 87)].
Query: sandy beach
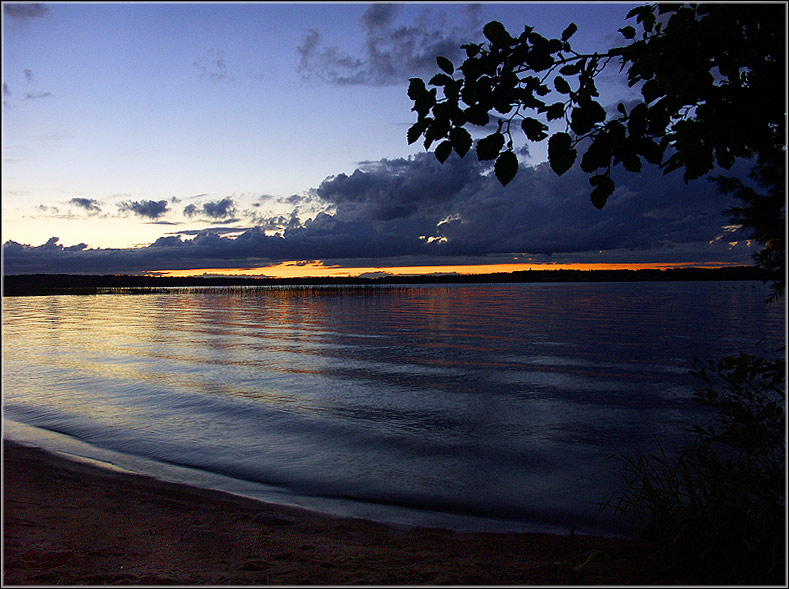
[(74, 523)]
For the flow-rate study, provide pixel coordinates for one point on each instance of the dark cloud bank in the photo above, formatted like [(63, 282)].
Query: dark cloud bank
[(417, 211)]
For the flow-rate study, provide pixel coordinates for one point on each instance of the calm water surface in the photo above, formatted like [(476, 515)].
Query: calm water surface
[(498, 407)]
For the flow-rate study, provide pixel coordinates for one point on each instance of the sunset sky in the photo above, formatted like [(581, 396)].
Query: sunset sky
[(214, 137)]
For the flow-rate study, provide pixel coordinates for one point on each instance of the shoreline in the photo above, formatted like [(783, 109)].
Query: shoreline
[(75, 523)]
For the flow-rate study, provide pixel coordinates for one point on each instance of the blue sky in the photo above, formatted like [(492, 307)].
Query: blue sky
[(153, 136)]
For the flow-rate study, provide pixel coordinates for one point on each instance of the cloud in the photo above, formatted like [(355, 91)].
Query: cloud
[(462, 210), (391, 52), (221, 209), (89, 204), (213, 67), (215, 230), (276, 224), (52, 244), (375, 274), (387, 190), (29, 95), (150, 209), (294, 199), (415, 210), (25, 12)]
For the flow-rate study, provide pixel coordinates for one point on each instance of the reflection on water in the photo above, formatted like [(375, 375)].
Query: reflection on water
[(423, 404)]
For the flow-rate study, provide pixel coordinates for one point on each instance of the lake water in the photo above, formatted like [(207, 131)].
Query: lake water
[(488, 407)]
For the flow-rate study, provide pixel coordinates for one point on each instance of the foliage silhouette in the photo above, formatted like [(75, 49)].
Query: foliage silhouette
[(711, 78), (718, 507)]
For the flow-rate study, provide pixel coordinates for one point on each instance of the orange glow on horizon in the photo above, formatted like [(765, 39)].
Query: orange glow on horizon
[(318, 269)]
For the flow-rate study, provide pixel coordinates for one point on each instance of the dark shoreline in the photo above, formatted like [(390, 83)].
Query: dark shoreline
[(69, 522), (74, 523), (49, 284)]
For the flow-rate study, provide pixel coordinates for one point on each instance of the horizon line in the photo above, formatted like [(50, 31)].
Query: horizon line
[(316, 269)]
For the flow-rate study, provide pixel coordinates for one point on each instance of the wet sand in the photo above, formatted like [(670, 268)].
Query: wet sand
[(74, 523)]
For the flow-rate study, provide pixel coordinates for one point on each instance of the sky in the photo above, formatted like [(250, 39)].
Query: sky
[(270, 138)]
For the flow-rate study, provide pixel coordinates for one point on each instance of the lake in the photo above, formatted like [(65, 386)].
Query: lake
[(476, 407)]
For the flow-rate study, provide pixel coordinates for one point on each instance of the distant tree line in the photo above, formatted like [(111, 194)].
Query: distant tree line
[(48, 284)]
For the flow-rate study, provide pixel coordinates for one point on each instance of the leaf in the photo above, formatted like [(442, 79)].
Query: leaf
[(497, 34), (417, 129), (649, 20), (438, 129), (631, 162), (570, 69), (534, 129), (628, 32), (416, 88), (542, 90), (584, 117), (663, 8), (651, 90), (506, 167), (461, 140), (598, 155), (504, 105), (604, 187), (443, 151), (474, 67), (598, 111), (452, 89), (636, 11), (561, 85), (489, 147), (569, 31), (637, 122), (424, 102), (561, 154), (471, 49), (440, 80), (540, 58), (724, 157), (555, 111), (477, 115), (445, 64), (554, 45)]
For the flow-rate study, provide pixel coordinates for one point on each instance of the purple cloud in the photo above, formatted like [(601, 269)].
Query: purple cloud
[(89, 204), (25, 11), (150, 209), (391, 52)]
